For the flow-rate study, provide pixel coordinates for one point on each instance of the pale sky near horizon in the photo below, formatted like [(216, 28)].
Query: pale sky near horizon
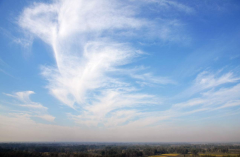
[(120, 70)]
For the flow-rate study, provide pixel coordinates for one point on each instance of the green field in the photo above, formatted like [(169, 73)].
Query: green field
[(199, 155)]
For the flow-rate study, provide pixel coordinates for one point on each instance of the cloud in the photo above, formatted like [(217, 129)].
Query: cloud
[(210, 101), (112, 106), (148, 79), (24, 42), (173, 4), (24, 98), (189, 103), (181, 7), (92, 75), (71, 82), (207, 99), (207, 80), (3, 71), (63, 19), (86, 40), (34, 106), (97, 74), (37, 109), (229, 104)]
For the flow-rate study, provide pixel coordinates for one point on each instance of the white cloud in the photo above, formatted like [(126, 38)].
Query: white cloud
[(229, 104), (191, 102), (90, 72), (149, 79), (173, 4), (210, 101), (88, 56), (106, 107), (34, 106), (207, 80), (24, 42), (72, 81), (37, 109), (22, 96)]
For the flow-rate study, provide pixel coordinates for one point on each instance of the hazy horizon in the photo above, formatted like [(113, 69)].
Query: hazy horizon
[(120, 71)]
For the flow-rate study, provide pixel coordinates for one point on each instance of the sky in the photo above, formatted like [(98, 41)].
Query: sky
[(119, 71)]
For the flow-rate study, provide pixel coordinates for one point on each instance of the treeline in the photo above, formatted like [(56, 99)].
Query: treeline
[(49, 147), (107, 150)]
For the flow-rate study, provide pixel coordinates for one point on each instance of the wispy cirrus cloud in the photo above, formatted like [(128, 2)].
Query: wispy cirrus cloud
[(91, 60), (211, 95), (84, 36), (150, 79), (169, 4), (208, 80), (25, 99), (37, 109), (135, 65), (91, 73), (24, 42), (221, 98)]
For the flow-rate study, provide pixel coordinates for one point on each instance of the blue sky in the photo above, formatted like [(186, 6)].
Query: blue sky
[(126, 71)]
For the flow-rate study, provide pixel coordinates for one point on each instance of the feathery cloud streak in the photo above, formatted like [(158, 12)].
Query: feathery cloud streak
[(37, 109)]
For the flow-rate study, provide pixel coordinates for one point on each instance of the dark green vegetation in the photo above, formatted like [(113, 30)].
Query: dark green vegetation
[(116, 150)]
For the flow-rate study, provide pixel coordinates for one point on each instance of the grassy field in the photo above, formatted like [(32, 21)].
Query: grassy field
[(175, 155), (165, 155), (219, 155)]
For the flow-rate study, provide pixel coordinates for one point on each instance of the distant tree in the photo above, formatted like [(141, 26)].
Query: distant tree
[(171, 150), (102, 152), (224, 150), (207, 155), (194, 152), (184, 152)]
